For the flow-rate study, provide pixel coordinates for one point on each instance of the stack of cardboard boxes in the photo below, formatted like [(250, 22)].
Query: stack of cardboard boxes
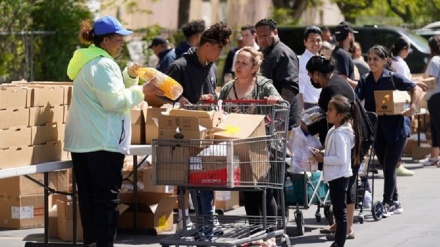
[(31, 132)]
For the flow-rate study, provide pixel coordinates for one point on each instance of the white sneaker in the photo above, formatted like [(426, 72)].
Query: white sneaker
[(179, 225), (428, 161)]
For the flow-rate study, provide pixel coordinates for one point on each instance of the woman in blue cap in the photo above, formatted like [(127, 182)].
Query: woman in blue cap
[(98, 127)]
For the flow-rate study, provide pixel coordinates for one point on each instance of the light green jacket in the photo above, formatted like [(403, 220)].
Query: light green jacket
[(99, 114)]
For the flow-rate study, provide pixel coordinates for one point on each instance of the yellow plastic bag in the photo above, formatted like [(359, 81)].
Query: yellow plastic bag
[(171, 88)]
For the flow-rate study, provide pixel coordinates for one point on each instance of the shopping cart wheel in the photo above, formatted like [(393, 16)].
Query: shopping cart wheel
[(285, 241), (328, 213), (318, 216), (299, 222), (361, 218), (377, 210)]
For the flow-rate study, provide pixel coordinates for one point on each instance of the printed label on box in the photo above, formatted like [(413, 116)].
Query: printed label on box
[(223, 195), (22, 212)]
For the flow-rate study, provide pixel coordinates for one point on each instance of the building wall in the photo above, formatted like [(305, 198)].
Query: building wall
[(237, 12)]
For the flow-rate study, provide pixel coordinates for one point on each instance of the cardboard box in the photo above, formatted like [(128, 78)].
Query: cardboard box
[(12, 97), (15, 136), (65, 112), (155, 211), (213, 171), (14, 117), (45, 95), (391, 102), (152, 125), (47, 133), (428, 80), (65, 221), (50, 151), (47, 114), (421, 152), (207, 119), (138, 119), (181, 127), (171, 165), (21, 185), (16, 156), (21, 211), (253, 153), (145, 181), (227, 200)]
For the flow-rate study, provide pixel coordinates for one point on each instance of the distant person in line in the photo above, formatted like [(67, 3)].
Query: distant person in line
[(391, 131), (309, 95), (400, 51), (163, 50), (433, 97), (281, 65), (358, 60), (344, 64), (98, 127), (228, 70), (328, 36), (249, 34), (193, 31), (326, 49)]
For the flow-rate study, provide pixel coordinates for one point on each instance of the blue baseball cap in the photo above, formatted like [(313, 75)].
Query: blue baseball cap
[(107, 25)]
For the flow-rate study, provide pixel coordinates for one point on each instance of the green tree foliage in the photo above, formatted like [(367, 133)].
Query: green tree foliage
[(54, 51), (352, 8), (22, 43), (289, 11)]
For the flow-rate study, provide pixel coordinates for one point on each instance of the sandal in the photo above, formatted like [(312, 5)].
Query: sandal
[(327, 230)]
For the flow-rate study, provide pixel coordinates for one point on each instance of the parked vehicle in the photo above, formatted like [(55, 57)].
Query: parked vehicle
[(429, 30), (367, 37)]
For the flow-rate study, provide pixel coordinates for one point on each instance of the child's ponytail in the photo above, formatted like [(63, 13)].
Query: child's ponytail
[(356, 119)]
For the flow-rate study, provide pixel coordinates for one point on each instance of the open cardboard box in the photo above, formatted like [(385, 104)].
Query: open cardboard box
[(253, 155), (207, 119), (181, 127), (155, 211)]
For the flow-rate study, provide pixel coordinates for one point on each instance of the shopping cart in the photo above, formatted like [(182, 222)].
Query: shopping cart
[(256, 163), (309, 189), (362, 182)]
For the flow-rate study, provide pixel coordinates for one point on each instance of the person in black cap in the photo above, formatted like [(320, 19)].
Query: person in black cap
[(163, 50), (193, 32), (345, 37)]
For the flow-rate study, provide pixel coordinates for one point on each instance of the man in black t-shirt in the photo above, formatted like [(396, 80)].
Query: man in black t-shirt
[(344, 64)]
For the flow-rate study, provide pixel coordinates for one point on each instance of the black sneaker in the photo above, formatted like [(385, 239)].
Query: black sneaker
[(386, 211)]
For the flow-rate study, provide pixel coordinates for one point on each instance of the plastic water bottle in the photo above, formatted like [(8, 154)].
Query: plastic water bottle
[(288, 188)]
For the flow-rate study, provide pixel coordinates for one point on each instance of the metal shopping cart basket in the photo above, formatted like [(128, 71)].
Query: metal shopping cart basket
[(255, 163)]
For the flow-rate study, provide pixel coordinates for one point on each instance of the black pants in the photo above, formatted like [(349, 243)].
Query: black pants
[(99, 179), (253, 204), (338, 192), (434, 117), (388, 154)]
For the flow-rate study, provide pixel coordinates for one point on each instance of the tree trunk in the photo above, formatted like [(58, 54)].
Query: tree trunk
[(183, 16)]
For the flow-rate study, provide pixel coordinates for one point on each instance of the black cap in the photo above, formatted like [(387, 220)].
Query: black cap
[(342, 30), (157, 41)]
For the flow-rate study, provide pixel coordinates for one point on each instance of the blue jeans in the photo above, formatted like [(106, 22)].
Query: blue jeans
[(205, 208)]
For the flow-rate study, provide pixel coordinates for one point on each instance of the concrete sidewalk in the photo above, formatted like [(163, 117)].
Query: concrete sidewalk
[(419, 225)]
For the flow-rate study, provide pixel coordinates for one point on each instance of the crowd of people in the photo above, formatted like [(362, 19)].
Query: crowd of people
[(330, 74)]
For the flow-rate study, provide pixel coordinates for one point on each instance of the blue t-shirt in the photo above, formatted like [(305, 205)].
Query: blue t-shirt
[(394, 127)]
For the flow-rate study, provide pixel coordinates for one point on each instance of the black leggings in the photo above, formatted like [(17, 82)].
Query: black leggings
[(388, 155), (338, 191)]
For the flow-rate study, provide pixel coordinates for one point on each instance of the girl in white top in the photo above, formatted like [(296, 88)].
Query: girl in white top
[(399, 52), (341, 142)]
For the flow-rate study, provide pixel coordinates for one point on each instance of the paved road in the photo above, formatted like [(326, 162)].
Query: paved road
[(419, 225)]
